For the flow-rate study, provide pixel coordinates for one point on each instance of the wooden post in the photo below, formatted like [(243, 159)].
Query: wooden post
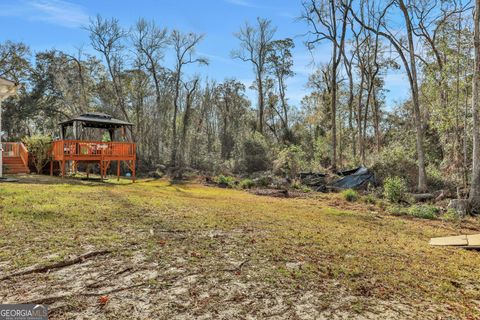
[(51, 167), (63, 168), (118, 170), (133, 170), (101, 164)]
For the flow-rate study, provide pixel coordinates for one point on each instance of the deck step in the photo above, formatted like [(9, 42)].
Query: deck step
[(11, 159), (14, 165)]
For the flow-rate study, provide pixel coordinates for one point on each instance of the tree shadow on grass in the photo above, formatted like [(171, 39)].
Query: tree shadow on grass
[(83, 181)]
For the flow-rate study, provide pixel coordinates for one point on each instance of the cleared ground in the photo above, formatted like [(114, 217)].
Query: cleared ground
[(182, 251)]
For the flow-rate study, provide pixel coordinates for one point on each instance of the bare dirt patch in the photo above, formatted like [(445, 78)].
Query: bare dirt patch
[(225, 284), (188, 251)]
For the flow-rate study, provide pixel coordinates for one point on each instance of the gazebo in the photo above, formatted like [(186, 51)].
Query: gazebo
[(80, 148)]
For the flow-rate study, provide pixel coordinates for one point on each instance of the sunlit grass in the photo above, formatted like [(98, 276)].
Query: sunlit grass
[(366, 251)]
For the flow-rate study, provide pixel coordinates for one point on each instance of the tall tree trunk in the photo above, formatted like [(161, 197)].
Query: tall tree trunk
[(261, 102), (475, 185), (350, 110), (360, 113), (422, 175), (173, 156), (376, 121), (333, 108)]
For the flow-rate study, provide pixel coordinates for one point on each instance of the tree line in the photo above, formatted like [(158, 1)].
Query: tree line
[(184, 120)]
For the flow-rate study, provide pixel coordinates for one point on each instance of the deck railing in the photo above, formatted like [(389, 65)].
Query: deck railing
[(15, 150), (92, 149), (23, 154), (11, 149)]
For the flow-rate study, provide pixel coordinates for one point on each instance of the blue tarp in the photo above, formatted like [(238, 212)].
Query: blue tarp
[(361, 177)]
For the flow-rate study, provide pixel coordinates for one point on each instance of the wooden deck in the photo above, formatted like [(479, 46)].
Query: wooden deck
[(94, 151), (15, 157)]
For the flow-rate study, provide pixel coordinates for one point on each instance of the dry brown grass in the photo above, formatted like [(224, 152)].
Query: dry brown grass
[(204, 252)]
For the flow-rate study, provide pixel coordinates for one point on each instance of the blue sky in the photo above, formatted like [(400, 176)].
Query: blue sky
[(45, 24)]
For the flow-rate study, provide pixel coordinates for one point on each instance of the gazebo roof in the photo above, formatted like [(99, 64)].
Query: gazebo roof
[(96, 120)]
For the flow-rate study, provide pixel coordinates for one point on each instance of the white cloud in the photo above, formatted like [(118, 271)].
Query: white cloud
[(215, 57), (57, 12), (242, 3)]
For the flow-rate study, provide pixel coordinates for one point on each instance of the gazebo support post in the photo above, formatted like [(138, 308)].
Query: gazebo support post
[(63, 168), (118, 170), (133, 170)]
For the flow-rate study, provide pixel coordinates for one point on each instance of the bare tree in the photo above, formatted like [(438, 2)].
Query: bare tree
[(184, 47), (107, 36), (150, 42), (348, 62), (190, 89), (429, 23), (280, 64), (254, 47), (328, 21), (408, 56)]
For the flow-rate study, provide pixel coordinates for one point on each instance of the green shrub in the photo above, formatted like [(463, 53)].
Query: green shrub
[(417, 211), (306, 189), (264, 181), (350, 195), (321, 151), (450, 215), (225, 181), (289, 162), (436, 179), (247, 184), (39, 147), (424, 211), (398, 211), (397, 159), (394, 189), (369, 199), (296, 184), (255, 152)]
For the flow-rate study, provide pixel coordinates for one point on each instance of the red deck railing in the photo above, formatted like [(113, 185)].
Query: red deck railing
[(11, 149), (24, 154), (92, 150), (15, 150)]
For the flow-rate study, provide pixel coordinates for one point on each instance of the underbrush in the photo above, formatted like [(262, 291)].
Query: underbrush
[(225, 181), (350, 195), (264, 181), (247, 183), (424, 211), (394, 189)]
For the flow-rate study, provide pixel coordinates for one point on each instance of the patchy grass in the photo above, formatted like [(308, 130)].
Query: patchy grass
[(350, 195), (228, 253)]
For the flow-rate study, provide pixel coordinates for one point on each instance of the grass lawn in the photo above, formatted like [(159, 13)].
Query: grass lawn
[(182, 251)]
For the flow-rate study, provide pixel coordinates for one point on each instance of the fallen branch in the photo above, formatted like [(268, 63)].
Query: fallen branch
[(169, 231), (100, 282), (48, 299), (104, 293), (238, 268), (422, 197), (52, 299), (57, 265)]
